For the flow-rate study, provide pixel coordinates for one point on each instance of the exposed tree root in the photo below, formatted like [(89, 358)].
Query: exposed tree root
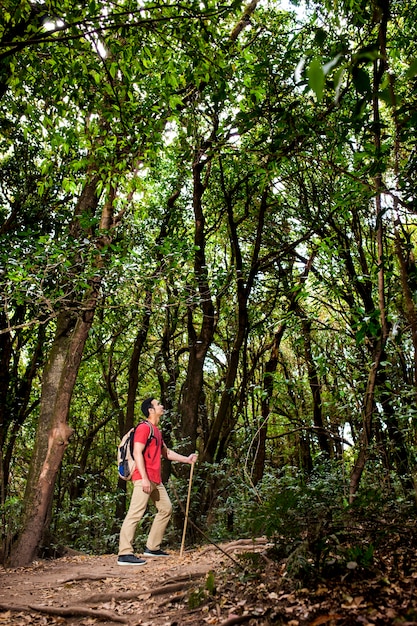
[(67, 611), (178, 598), (186, 577), (244, 544), (129, 595), (18, 608), (171, 593), (237, 619), (240, 544), (86, 577), (173, 585), (104, 576)]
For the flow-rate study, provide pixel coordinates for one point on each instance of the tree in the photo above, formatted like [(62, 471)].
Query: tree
[(106, 138), (208, 212)]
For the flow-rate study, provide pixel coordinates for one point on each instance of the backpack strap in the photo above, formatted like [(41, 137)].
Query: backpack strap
[(151, 434)]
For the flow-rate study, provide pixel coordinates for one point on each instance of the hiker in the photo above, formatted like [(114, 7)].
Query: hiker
[(147, 484)]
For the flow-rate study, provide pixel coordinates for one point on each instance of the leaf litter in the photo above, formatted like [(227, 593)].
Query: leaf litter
[(205, 587)]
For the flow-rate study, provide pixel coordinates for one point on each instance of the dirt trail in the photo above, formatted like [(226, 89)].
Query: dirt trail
[(241, 583), (87, 590)]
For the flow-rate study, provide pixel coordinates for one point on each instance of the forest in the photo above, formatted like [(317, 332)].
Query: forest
[(213, 204)]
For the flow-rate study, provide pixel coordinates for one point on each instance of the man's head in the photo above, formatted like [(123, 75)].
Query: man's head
[(146, 405), (152, 409)]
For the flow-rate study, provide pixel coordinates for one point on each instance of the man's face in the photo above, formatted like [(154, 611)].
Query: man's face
[(157, 409)]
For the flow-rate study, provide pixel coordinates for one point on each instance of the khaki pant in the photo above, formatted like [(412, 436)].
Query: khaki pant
[(137, 508)]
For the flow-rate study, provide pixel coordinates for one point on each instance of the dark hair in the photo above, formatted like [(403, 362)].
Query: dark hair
[(146, 405)]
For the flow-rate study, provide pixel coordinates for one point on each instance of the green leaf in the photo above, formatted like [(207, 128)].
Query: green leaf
[(361, 81), (338, 79), (211, 582), (315, 75), (412, 70), (175, 101), (96, 76), (113, 70), (320, 36)]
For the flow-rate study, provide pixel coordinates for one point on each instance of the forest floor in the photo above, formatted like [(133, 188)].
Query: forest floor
[(234, 583)]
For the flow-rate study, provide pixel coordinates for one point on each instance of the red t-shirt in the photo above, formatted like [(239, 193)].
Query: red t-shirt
[(152, 454)]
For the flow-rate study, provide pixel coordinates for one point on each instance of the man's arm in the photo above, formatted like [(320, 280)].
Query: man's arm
[(138, 449), (174, 456)]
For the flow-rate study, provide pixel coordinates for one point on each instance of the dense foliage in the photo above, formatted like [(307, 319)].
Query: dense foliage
[(213, 204)]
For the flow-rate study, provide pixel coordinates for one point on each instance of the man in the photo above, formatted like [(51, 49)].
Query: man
[(147, 484)]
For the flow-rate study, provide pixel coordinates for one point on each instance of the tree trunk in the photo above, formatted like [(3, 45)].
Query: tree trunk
[(399, 445), (366, 434), (409, 304), (19, 408), (53, 432), (222, 424), (129, 421), (198, 343), (60, 373), (5, 357), (270, 369), (268, 386), (315, 387), (379, 344)]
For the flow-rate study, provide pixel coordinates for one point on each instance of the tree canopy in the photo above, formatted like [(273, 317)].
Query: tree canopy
[(212, 203)]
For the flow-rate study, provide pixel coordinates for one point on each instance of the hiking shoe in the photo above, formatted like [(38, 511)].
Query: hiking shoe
[(129, 559), (148, 552)]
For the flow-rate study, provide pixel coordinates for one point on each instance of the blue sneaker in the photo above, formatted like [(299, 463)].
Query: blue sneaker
[(129, 559), (148, 552)]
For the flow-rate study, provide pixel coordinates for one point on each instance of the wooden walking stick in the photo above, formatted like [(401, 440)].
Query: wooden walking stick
[(187, 509)]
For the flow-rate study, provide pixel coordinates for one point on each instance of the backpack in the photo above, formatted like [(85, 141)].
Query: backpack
[(125, 460)]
